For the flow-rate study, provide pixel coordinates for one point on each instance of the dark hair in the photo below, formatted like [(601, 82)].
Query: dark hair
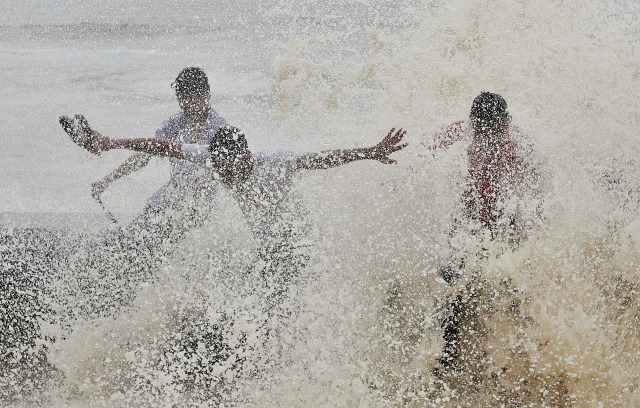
[(228, 143), (191, 81), (490, 110)]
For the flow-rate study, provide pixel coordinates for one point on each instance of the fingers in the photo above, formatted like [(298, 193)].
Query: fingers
[(389, 145), (67, 124), (390, 133), (394, 138), (394, 148), (399, 135), (392, 145)]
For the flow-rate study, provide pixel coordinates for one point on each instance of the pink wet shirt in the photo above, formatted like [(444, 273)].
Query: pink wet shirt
[(491, 172)]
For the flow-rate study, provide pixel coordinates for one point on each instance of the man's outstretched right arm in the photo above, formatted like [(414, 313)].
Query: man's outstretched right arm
[(81, 134), (132, 164), (152, 146)]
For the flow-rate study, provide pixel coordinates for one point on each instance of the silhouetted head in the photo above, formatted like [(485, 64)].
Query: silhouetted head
[(193, 93), (228, 143), (192, 81), (489, 113), (230, 155)]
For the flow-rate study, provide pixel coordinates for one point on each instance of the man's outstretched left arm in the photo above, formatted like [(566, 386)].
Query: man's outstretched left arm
[(335, 158)]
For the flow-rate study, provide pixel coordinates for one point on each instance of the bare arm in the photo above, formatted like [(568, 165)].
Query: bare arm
[(152, 146), (335, 158), (132, 164), (445, 137)]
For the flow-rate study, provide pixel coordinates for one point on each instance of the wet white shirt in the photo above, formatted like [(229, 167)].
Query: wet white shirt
[(265, 198), (185, 175)]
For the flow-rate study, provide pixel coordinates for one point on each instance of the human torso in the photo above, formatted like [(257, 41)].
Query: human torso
[(491, 174), (266, 198), (179, 129), (492, 171), (184, 174)]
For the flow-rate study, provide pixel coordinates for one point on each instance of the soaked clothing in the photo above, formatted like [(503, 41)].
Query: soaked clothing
[(278, 220), (108, 269), (185, 175), (275, 215), (265, 197), (494, 173), (170, 213)]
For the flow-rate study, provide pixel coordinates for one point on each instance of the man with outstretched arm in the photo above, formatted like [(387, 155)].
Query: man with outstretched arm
[(261, 184), (502, 176), (109, 267)]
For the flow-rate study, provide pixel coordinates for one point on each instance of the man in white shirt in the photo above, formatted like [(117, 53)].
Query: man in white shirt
[(261, 184), (196, 124), (127, 256)]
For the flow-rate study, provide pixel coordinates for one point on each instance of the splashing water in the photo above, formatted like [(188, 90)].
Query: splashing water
[(555, 322)]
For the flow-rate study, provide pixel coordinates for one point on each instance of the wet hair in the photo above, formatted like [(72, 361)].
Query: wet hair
[(489, 110), (228, 143), (191, 81)]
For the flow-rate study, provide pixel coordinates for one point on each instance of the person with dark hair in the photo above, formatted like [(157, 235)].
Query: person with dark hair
[(501, 164), (192, 81), (110, 266), (261, 183), (197, 123)]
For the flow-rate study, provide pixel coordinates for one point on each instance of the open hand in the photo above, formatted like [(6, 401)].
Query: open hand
[(388, 145), (81, 134)]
